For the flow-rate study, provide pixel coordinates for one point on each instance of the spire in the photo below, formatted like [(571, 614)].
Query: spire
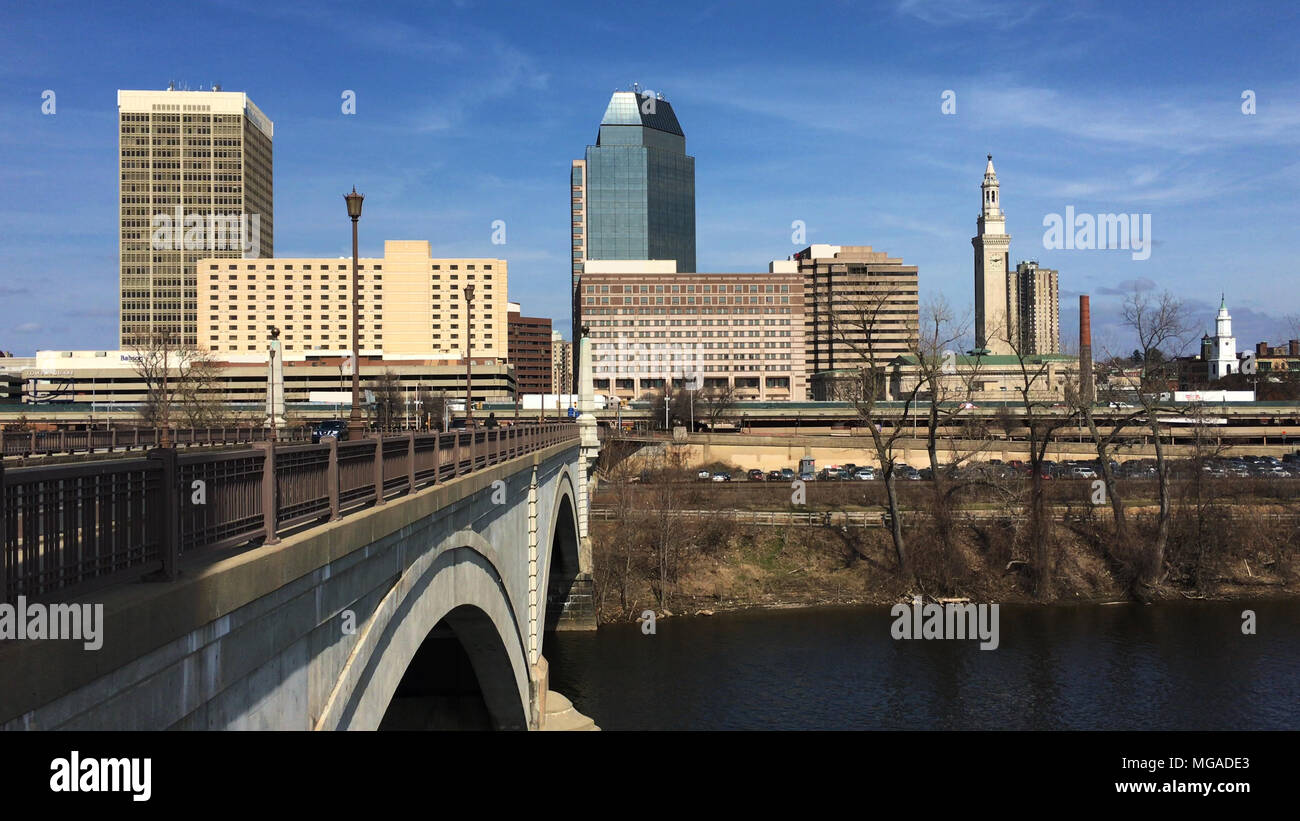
[(989, 188)]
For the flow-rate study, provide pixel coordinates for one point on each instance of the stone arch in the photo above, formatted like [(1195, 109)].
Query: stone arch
[(564, 572), (458, 585)]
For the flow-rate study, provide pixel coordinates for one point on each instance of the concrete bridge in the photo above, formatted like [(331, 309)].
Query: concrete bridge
[(429, 609)]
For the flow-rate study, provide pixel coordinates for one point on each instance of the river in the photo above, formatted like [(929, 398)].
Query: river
[(1172, 666)]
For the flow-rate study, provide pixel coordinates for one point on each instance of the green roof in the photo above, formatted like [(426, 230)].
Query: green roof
[(993, 359)]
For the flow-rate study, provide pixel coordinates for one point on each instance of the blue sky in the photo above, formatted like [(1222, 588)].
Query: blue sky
[(829, 113)]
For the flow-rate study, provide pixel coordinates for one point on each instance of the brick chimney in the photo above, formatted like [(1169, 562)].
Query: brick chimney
[(1087, 388), (1293, 347), (1261, 350)]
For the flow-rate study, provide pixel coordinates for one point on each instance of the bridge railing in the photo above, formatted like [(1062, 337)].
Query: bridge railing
[(70, 528), (28, 443)]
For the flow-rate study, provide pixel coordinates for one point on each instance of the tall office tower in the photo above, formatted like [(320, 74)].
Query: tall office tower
[(529, 349), (195, 182), (856, 302), (1034, 308), (992, 245), (633, 193), (561, 364)]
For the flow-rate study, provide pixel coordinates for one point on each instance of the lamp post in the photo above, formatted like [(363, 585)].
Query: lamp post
[(469, 344), (356, 425), (165, 440)]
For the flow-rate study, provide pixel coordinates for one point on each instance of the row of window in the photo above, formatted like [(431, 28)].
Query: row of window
[(687, 289)]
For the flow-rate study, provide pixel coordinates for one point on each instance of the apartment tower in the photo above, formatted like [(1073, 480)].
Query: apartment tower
[(1033, 296)]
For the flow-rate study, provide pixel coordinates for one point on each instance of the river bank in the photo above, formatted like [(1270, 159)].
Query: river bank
[(717, 565)]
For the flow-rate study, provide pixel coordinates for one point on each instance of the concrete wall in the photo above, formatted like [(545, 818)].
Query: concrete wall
[(748, 451), (258, 640)]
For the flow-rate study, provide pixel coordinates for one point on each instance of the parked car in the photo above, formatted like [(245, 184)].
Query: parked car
[(776, 476), (807, 477), (704, 475), (722, 477), (865, 474), (1081, 472), (787, 474), (756, 475), (336, 428)]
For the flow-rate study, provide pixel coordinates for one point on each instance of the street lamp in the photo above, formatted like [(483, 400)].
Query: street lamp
[(356, 425), (165, 441), (469, 334)]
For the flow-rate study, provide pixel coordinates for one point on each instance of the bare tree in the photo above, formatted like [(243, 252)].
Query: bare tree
[(948, 383), (388, 400), (716, 401), (1043, 414), (678, 410), (183, 384), (433, 406), (1159, 324), (860, 326)]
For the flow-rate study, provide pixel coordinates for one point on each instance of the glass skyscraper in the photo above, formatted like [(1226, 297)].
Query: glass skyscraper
[(633, 194)]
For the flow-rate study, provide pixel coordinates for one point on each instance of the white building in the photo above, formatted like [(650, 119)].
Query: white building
[(1222, 347)]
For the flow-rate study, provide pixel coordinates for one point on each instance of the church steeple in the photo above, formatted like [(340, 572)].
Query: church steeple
[(1223, 345)]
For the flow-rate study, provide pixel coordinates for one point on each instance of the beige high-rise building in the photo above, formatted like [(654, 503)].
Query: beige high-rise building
[(858, 303), (195, 182), (411, 304), (561, 364), (992, 246), (1035, 296)]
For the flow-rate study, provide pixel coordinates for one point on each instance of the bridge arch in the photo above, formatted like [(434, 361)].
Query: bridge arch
[(456, 590), (563, 557)]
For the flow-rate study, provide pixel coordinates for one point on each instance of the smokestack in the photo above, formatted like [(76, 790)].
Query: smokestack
[(1087, 388), (1293, 347), (1261, 350)]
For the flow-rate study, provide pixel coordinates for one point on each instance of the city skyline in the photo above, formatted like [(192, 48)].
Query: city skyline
[(1218, 183)]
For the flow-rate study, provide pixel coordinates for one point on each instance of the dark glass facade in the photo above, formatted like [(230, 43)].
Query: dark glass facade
[(640, 184)]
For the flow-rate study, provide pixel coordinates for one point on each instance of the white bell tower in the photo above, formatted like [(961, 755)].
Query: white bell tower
[(1223, 356)]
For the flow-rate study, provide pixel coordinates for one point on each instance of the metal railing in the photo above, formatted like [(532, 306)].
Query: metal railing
[(69, 528), (111, 440)]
